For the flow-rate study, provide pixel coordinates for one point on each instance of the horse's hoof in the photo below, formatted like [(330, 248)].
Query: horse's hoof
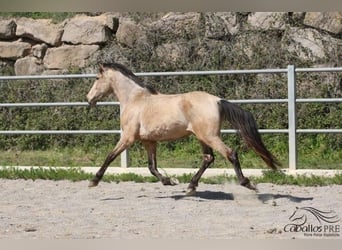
[(93, 183), (253, 187), (190, 192), (170, 181), (248, 184), (174, 181)]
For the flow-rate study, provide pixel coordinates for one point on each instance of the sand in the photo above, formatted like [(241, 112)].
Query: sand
[(45, 209)]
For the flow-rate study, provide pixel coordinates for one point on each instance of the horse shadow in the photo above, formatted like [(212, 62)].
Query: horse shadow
[(267, 196), (202, 195), (221, 196)]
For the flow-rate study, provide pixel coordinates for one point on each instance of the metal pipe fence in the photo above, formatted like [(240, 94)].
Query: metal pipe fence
[(291, 102)]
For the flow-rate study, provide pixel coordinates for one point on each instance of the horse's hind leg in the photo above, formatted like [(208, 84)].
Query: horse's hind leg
[(208, 158), (151, 148), (234, 159), (216, 143)]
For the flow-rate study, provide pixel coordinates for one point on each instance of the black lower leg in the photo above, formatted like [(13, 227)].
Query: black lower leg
[(98, 176), (208, 158), (163, 179), (244, 181), (96, 179), (153, 169), (152, 163)]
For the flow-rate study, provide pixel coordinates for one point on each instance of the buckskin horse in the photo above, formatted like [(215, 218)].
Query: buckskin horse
[(149, 116)]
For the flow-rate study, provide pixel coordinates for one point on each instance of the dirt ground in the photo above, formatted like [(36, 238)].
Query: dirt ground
[(70, 210)]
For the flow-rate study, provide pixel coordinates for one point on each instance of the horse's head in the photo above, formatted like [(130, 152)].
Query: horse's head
[(298, 217), (101, 87), (114, 78)]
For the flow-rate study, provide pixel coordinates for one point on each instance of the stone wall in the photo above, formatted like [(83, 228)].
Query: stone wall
[(43, 47)]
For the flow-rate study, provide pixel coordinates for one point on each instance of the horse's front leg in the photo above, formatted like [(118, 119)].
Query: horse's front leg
[(120, 146), (151, 148)]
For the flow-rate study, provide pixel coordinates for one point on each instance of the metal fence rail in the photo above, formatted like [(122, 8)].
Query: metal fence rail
[(292, 129)]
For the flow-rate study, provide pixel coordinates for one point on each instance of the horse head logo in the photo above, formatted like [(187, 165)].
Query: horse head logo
[(301, 216)]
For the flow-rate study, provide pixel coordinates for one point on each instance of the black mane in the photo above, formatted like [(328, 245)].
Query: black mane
[(125, 71)]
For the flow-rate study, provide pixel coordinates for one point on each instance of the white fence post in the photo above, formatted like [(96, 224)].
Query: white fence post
[(124, 157), (292, 117)]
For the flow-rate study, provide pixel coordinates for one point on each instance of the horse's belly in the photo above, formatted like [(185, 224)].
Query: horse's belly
[(164, 132)]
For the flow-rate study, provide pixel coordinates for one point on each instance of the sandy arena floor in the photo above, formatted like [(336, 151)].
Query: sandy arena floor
[(70, 210)]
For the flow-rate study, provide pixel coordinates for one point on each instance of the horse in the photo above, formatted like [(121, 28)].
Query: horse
[(149, 116)]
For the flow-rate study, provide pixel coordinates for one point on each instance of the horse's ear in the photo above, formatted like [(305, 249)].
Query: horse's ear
[(101, 68)]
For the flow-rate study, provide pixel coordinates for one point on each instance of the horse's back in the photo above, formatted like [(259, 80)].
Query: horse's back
[(187, 105), (201, 99)]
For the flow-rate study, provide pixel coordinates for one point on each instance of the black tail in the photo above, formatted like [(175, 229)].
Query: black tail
[(245, 123)]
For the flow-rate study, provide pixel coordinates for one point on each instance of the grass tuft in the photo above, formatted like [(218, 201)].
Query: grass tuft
[(77, 174)]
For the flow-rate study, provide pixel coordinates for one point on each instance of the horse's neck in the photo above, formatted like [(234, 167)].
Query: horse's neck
[(125, 89)]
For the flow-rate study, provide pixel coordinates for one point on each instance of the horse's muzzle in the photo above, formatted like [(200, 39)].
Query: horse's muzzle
[(91, 102), (91, 105)]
